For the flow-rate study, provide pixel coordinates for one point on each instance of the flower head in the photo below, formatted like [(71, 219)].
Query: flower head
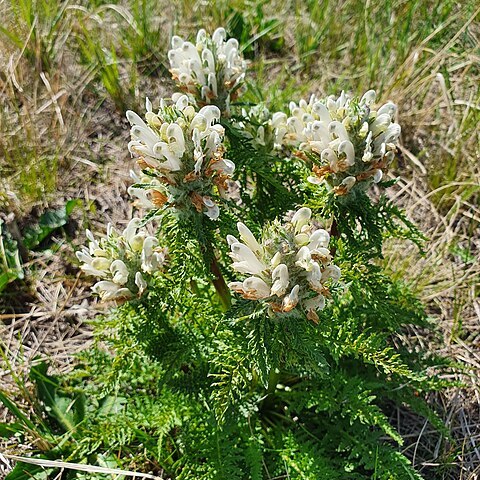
[(212, 69), (349, 143), (180, 151), (124, 263), (291, 267), (256, 124)]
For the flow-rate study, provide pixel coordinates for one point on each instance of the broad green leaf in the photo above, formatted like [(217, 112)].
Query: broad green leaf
[(60, 407), (48, 223)]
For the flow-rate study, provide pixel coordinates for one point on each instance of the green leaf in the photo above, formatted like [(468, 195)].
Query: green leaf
[(14, 410), (10, 265), (68, 412), (26, 471), (8, 430), (111, 405), (48, 223)]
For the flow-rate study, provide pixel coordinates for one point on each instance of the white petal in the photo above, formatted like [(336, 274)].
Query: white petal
[(301, 218), (319, 238), (291, 300), (131, 229), (247, 236), (368, 97), (140, 282), (257, 287), (231, 240), (280, 279), (119, 271), (331, 272), (276, 259), (246, 259), (101, 263), (346, 147), (303, 258), (349, 182), (377, 176)]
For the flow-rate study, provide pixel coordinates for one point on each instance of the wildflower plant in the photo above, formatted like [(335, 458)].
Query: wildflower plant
[(181, 154), (124, 264), (212, 70), (271, 352)]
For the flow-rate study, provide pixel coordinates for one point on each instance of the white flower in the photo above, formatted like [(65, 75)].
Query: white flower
[(280, 280), (304, 259), (247, 236), (117, 260), (119, 271), (301, 218), (378, 175), (290, 301), (255, 286), (107, 290), (140, 282), (348, 182), (319, 238), (212, 69), (175, 147), (354, 143), (246, 260), (331, 272), (294, 253)]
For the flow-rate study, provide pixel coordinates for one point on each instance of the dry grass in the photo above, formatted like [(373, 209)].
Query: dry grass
[(448, 283), (63, 136)]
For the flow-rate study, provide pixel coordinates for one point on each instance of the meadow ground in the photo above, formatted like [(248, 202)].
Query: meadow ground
[(69, 70)]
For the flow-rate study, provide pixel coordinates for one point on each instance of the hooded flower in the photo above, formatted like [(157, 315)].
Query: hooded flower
[(256, 124), (180, 152), (212, 69), (291, 267), (348, 142), (123, 263)]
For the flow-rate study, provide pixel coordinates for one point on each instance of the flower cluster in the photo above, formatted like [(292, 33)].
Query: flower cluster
[(348, 142), (124, 262), (212, 70), (180, 152), (256, 124), (291, 267)]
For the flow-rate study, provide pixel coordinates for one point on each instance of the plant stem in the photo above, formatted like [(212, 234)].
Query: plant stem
[(335, 233)]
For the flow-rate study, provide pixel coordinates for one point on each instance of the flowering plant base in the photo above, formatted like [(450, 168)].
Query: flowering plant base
[(255, 334)]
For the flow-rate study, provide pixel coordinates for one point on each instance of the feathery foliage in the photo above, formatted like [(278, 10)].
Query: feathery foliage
[(297, 378)]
